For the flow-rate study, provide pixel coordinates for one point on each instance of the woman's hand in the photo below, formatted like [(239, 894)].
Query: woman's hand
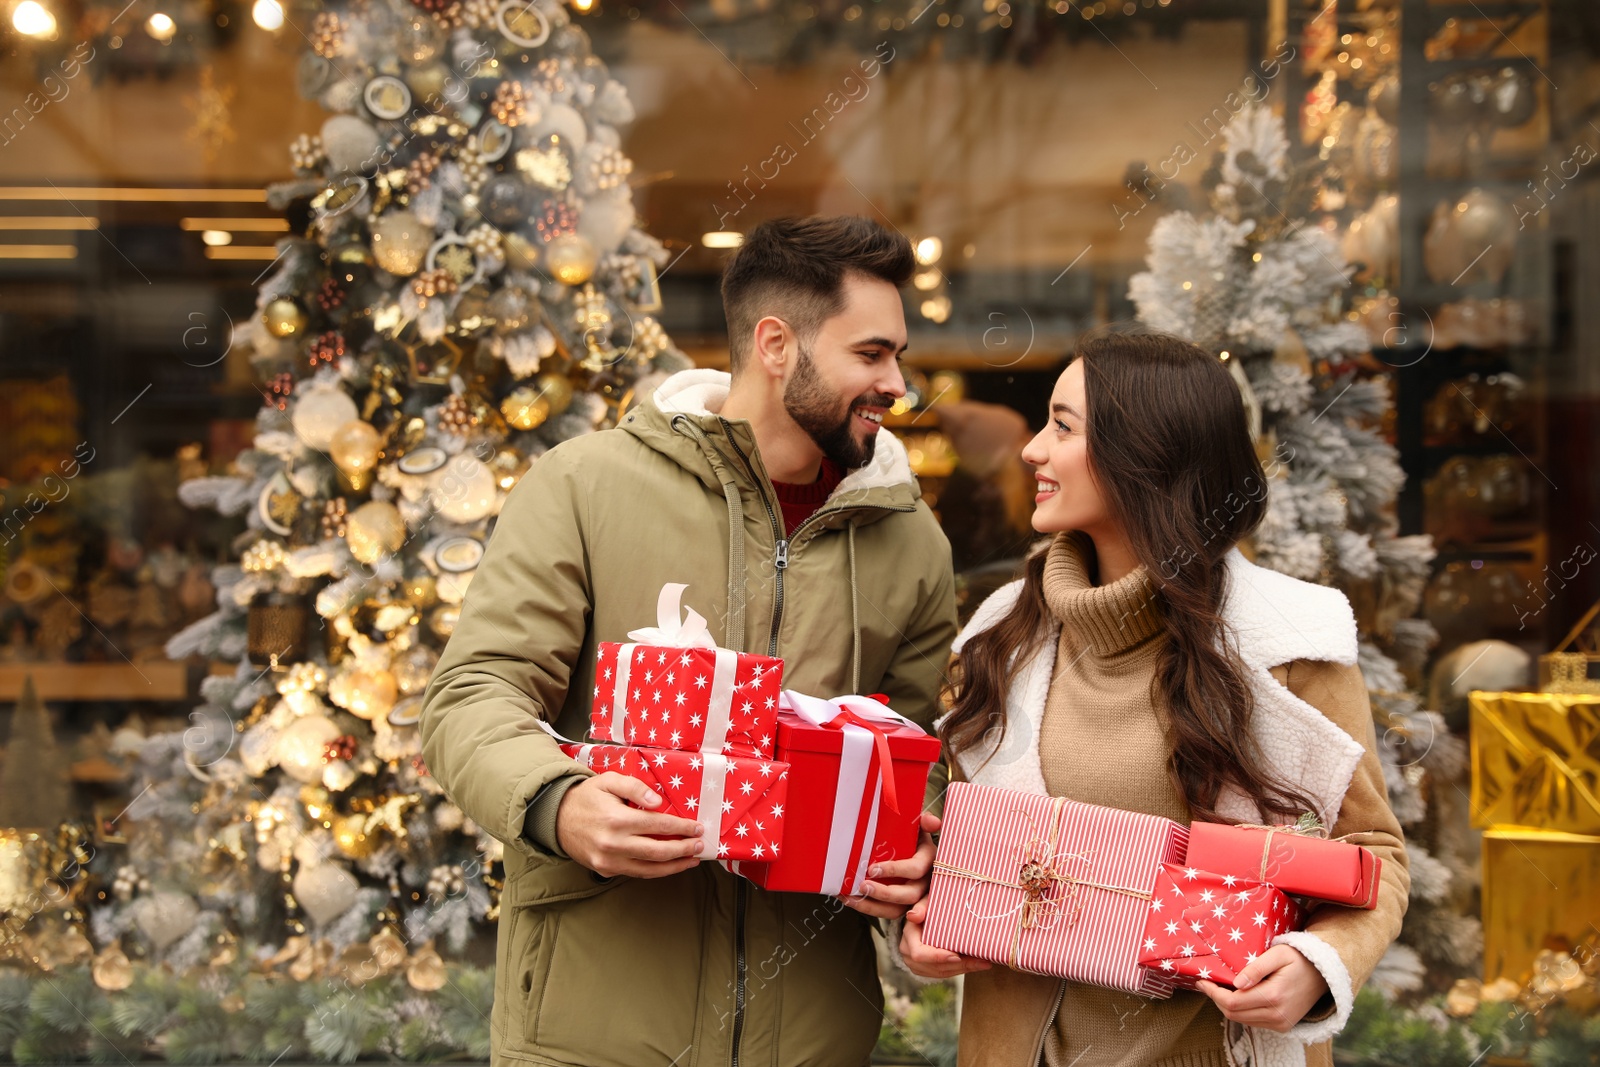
[(1273, 993), (927, 961), (882, 900)]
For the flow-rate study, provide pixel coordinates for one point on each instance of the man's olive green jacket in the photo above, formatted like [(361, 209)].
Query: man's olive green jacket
[(702, 968)]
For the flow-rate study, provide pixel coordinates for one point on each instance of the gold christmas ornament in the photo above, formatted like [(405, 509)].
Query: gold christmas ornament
[(509, 465), (305, 962), (425, 970), (442, 620), (420, 591), (510, 103), (525, 408), (351, 838), (400, 242), (367, 693), (520, 253), (112, 969), (388, 950), (456, 415), (354, 447), (571, 258), (375, 529), (283, 317), (1464, 997), (55, 951), (427, 81), (316, 800), (556, 388)]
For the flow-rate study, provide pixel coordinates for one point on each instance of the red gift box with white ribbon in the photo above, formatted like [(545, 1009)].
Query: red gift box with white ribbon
[(670, 686), (1204, 925), (749, 793), (857, 774), (1048, 885)]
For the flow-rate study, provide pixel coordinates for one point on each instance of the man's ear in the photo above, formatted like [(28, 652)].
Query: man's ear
[(773, 347)]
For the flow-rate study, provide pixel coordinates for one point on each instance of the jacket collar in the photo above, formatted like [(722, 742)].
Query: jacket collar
[(885, 482)]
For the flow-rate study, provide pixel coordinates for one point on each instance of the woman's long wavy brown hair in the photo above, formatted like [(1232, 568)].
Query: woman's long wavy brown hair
[(1170, 451)]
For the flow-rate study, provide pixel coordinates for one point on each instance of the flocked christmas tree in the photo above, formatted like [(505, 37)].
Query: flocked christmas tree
[(1261, 284), (466, 288)]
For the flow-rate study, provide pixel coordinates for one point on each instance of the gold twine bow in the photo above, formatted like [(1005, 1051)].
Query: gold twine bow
[(1303, 828), (1038, 873)]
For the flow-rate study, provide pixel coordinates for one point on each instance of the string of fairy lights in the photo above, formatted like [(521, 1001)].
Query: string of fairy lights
[(177, 32)]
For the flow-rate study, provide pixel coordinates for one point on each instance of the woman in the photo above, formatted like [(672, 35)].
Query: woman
[(1143, 663)]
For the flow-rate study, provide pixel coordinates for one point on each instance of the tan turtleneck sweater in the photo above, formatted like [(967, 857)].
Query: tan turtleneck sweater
[(1102, 703)]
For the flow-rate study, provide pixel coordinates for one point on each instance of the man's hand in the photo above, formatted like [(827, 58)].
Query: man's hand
[(598, 829), (891, 901), (927, 961), (1274, 992)]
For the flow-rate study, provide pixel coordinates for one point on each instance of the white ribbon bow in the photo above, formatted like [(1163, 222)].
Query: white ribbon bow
[(689, 631), (673, 631)]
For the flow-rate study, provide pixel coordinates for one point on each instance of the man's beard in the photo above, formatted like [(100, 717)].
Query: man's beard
[(815, 409)]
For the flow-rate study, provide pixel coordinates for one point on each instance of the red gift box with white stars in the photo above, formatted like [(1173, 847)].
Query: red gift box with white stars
[(751, 793), (1211, 926), (696, 698)]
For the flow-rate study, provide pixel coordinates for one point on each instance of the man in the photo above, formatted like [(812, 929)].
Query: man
[(798, 528)]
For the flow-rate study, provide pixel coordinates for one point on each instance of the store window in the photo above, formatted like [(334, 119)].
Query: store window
[(296, 294)]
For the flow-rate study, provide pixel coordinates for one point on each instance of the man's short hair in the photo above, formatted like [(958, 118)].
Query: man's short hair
[(794, 268)]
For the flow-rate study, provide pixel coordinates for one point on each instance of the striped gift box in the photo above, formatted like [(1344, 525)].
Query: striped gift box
[(1048, 885)]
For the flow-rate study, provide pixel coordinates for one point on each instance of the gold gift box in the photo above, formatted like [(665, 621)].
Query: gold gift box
[(1538, 892), (1536, 761)]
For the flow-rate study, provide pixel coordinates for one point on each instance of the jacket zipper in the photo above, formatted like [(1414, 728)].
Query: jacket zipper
[(780, 559), (738, 941), (781, 564), (1044, 1034)]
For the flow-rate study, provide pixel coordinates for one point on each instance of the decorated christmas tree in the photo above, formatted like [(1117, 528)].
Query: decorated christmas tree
[(33, 776), (465, 288), (1264, 285)]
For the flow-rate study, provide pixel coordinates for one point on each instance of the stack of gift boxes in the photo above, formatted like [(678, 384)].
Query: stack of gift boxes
[(805, 793), (1124, 900), (1536, 795), (809, 792)]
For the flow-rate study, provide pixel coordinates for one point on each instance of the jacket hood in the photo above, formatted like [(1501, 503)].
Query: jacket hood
[(698, 396)]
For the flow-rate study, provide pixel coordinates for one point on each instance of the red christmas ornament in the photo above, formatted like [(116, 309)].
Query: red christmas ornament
[(327, 348), (340, 748), (330, 297), (276, 395), (556, 219)]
